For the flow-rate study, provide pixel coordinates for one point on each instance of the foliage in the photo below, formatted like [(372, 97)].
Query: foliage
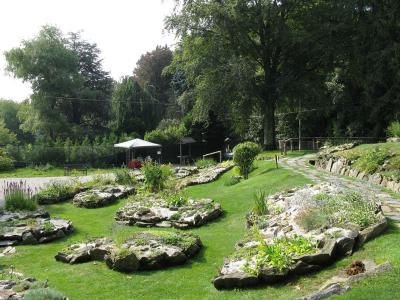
[(176, 199), (338, 210), (232, 181), (48, 226), (394, 129), (123, 176), (169, 135), (43, 294), (281, 252), (57, 190), (156, 175), (372, 159), (6, 136), (244, 155), (18, 197), (260, 205), (63, 72), (205, 163), (6, 162)]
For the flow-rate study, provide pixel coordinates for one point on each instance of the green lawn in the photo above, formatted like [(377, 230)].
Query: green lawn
[(193, 280), (52, 172)]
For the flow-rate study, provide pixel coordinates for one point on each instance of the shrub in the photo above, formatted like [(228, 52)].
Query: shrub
[(205, 163), (176, 199), (232, 181), (19, 197), (371, 160), (6, 162), (156, 175), (43, 294), (56, 191), (260, 205), (244, 155), (168, 135), (394, 129), (124, 177)]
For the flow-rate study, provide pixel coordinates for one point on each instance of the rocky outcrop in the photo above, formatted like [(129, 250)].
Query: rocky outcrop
[(342, 166), (31, 228), (142, 251), (283, 225), (206, 175), (185, 171), (101, 196), (153, 210)]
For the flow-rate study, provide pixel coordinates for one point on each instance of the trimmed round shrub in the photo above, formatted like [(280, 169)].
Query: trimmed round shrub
[(244, 155)]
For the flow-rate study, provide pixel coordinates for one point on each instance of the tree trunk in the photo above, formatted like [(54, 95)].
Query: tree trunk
[(269, 126)]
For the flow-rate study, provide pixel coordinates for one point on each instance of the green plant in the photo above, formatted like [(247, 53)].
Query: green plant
[(48, 226), (279, 253), (6, 162), (312, 219), (205, 163), (232, 181), (371, 160), (123, 176), (260, 205), (57, 191), (156, 175), (176, 199), (19, 197), (394, 129), (244, 155), (43, 294)]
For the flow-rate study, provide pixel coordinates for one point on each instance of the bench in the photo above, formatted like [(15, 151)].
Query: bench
[(78, 167)]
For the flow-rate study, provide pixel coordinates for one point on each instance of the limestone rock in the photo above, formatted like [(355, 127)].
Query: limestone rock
[(101, 196), (235, 280)]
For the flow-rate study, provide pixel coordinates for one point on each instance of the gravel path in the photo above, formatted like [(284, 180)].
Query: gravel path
[(390, 205)]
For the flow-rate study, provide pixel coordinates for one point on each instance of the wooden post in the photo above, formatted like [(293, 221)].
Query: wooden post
[(291, 145)]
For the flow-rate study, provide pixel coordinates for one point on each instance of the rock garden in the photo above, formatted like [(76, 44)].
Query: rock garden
[(101, 196), (148, 250), (168, 210), (378, 164), (31, 228), (300, 231)]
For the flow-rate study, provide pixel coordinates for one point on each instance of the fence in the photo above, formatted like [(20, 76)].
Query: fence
[(315, 143)]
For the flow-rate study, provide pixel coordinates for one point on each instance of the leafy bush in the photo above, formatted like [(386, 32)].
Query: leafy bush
[(244, 155), (168, 135), (260, 205), (6, 162), (43, 294), (176, 199), (371, 160), (124, 177), (156, 175), (205, 163), (232, 181), (19, 197), (281, 252), (394, 129)]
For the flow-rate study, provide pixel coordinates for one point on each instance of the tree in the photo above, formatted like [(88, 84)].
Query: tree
[(149, 74), (6, 136), (257, 54), (67, 82), (132, 108)]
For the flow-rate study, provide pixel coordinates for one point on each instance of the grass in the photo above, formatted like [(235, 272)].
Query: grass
[(193, 280), (52, 172)]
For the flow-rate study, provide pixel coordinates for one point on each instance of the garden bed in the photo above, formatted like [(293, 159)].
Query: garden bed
[(376, 163), (101, 196), (156, 210), (298, 232), (142, 251), (31, 228)]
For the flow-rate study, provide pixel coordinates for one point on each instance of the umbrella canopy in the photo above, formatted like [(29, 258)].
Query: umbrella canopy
[(136, 144), (187, 140)]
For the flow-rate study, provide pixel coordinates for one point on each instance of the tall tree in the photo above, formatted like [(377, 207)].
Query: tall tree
[(149, 74), (252, 53)]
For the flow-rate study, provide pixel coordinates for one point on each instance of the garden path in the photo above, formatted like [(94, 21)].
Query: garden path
[(390, 205)]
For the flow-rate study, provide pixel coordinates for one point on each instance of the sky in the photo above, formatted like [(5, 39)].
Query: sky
[(122, 29)]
